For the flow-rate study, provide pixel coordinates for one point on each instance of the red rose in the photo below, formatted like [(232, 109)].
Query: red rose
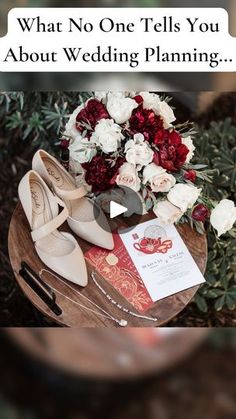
[(200, 212), (100, 174), (145, 121), (190, 175), (91, 114), (138, 99), (172, 153)]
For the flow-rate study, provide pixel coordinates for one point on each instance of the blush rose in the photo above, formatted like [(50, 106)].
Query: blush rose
[(158, 178)]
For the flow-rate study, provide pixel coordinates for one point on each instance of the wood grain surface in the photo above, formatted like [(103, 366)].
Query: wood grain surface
[(21, 248)]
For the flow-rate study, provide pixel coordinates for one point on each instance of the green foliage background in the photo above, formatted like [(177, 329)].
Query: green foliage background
[(216, 147), (37, 119)]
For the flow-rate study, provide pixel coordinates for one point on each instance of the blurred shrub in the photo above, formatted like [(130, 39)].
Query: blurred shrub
[(37, 118), (216, 148)]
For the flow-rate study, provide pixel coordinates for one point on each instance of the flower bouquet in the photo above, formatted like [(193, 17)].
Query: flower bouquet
[(131, 140)]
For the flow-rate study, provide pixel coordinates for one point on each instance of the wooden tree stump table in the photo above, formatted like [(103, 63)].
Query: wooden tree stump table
[(21, 248)]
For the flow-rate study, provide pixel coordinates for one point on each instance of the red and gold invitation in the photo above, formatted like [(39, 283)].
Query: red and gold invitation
[(118, 269), (149, 262)]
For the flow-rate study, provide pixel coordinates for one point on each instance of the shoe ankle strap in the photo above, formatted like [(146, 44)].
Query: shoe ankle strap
[(52, 225), (70, 195)]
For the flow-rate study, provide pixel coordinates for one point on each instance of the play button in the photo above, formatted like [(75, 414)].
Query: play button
[(121, 206), (116, 209)]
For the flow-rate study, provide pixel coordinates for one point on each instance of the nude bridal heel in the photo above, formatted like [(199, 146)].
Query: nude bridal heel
[(81, 209), (58, 250)]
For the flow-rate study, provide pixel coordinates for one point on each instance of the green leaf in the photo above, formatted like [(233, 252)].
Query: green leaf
[(230, 301), (214, 292), (144, 193), (148, 204), (219, 303), (201, 302), (197, 166)]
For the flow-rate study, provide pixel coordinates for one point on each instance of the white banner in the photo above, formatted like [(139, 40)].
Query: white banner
[(117, 39)]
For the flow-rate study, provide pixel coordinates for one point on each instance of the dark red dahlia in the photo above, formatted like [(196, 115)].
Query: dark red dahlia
[(171, 152), (91, 114), (161, 137), (145, 121), (190, 175), (100, 173), (200, 212)]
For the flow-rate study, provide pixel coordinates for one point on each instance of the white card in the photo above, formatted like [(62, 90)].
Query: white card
[(164, 273)]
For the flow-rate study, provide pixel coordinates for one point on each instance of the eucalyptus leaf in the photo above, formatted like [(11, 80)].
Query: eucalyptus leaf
[(148, 204), (197, 166)]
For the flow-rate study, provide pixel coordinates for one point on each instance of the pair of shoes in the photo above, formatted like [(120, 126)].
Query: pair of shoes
[(42, 192)]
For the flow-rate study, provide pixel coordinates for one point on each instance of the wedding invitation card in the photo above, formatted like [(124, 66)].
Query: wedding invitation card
[(161, 258), (116, 267), (148, 263)]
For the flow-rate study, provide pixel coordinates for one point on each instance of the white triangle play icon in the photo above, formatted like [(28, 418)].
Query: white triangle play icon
[(116, 209)]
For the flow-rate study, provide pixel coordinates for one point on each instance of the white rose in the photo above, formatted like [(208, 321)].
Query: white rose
[(167, 213), (223, 216), (138, 151), (101, 95), (150, 100), (183, 196), (128, 176), (70, 128), (189, 144), (120, 107), (82, 150), (161, 108), (166, 113), (159, 179), (108, 135)]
